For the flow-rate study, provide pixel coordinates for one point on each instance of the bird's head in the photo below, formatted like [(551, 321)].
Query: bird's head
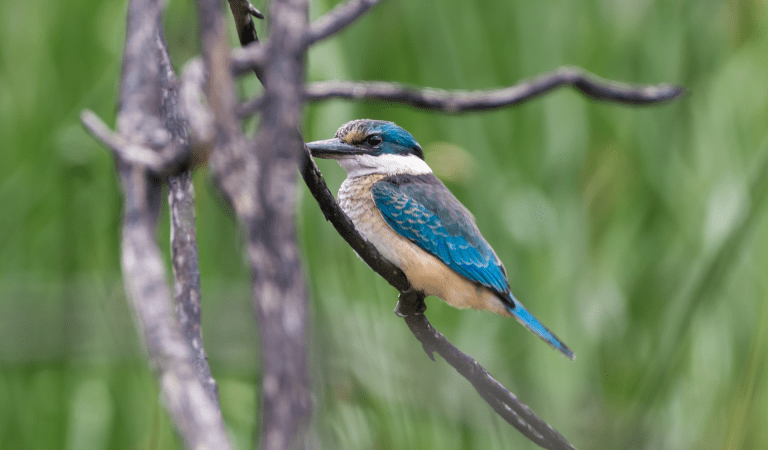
[(364, 147)]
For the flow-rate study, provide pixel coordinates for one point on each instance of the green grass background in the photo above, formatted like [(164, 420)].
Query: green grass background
[(639, 235)]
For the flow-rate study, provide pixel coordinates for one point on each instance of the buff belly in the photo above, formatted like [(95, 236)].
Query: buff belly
[(425, 272)]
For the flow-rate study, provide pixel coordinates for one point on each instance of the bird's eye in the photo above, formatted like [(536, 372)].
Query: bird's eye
[(374, 140)]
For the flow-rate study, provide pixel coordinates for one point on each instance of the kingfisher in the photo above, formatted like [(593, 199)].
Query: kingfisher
[(397, 204)]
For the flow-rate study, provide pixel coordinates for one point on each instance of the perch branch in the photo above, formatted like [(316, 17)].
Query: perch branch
[(506, 404), (467, 101), (337, 19), (411, 307)]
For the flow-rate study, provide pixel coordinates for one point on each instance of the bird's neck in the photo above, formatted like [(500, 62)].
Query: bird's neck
[(361, 165)]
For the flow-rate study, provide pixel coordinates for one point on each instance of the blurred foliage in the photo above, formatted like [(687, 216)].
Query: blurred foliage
[(636, 234)]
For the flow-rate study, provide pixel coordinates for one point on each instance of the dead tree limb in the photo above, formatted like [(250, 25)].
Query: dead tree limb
[(279, 291), (473, 101), (259, 180), (337, 19), (195, 414), (160, 163), (181, 200), (411, 307), (243, 13)]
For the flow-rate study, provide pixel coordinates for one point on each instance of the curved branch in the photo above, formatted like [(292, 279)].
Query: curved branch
[(466, 101), (411, 307), (337, 19)]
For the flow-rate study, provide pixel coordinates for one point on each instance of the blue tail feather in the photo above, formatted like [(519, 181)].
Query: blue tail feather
[(526, 318)]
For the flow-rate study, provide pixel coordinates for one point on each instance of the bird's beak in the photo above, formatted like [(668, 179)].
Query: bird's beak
[(333, 149)]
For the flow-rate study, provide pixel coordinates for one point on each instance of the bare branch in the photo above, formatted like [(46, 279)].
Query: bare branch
[(197, 418), (249, 108), (506, 404), (169, 159), (181, 199), (233, 165), (467, 101), (200, 121), (337, 19), (279, 291), (243, 13), (265, 203), (251, 58), (411, 307), (121, 148), (220, 90)]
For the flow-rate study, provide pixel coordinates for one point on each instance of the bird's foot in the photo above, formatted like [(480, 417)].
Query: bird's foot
[(409, 303)]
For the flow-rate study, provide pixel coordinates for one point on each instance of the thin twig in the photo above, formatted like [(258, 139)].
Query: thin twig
[(467, 101), (168, 160), (337, 19), (121, 148), (243, 13), (411, 308)]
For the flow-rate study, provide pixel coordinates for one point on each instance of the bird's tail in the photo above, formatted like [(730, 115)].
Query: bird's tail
[(526, 318)]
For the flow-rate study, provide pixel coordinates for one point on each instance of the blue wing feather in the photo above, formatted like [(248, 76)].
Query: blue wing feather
[(430, 216), (423, 210)]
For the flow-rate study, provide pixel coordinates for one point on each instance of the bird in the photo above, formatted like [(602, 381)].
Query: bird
[(397, 204)]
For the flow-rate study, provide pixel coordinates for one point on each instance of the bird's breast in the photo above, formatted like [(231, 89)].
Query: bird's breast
[(356, 200)]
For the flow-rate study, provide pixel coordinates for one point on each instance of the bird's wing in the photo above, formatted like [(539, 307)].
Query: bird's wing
[(421, 209)]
